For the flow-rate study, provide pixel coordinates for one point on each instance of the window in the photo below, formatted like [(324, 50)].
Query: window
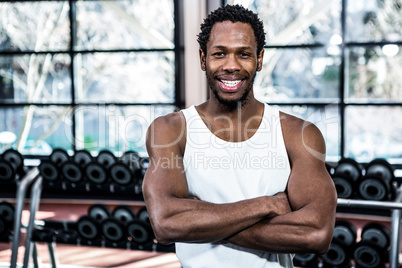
[(85, 74), (337, 64)]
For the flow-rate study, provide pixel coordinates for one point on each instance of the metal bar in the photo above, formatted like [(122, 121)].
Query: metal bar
[(35, 199), (395, 233), (52, 255), (20, 196), (369, 204)]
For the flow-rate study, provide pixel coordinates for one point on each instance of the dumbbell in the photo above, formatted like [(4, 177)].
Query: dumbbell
[(15, 159), (121, 174), (11, 166), (89, 226), (140, 232), (99, 212), (377, 182), (82, 158), (49, 170), (7, 173), (106, 158), (124, 214), (143, 215), (132, 160), (59, 156), (71, 171), (113, 230), (371, 251), (346, 174), (305, 260), (96, 173), (343, 240), (140, 229), (6, 219)]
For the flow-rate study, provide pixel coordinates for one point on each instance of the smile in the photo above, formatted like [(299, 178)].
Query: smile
[(231, 85)]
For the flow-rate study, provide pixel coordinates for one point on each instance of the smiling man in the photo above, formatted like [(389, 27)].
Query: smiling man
[(245, 185)]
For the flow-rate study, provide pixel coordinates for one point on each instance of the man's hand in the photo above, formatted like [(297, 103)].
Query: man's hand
[(282, 205)]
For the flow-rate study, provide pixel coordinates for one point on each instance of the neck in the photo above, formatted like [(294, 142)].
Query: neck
[(242, 110)]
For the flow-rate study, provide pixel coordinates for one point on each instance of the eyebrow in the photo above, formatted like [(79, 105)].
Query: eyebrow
[(224, 47)]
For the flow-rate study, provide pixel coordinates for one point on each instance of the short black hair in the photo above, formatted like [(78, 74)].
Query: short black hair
[(233, 13)]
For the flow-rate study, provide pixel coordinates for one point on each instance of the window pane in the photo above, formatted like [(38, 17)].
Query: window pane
[(38, 78), (373, 132), (327, 119), (287, 75), (373, 20), (118, 128), (374, 74), (297, 21), (135, 24), (38, 26), (37, 129), (125, 77)]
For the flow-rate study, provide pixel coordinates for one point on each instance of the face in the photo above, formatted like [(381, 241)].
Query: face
[(231, 62)]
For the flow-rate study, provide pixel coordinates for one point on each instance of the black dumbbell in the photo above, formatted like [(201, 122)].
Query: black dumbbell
[(49, 170), (59, 156), (377, 182), (82, 158), (143, 215), (106, 158), (305, 260), (88, 228), (6, 219), (343, 240), (121, 174), (140, 232), (345, 176), (132, 160), (72, 172), (372, 250), (15, 159), (99, 212), (96, 173), (124, 214), (113, 230), (7, 173)]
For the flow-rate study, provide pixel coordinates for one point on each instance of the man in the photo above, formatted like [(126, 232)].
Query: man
[(234, 182)]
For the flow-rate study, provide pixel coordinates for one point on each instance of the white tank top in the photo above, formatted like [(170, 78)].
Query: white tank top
[(218, 171)]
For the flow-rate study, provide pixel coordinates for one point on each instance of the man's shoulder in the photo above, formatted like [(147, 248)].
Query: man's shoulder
[(172, 121), (167, 131), (299, 133)]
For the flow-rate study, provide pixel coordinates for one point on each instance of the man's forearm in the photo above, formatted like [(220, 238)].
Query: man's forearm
[(187, 220), (290, 233)]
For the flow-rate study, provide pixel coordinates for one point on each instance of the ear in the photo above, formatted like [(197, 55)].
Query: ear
[(260, 60), (202, 59)]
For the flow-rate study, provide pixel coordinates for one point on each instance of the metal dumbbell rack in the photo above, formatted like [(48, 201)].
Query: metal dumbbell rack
[(395, 207), (30, 179)]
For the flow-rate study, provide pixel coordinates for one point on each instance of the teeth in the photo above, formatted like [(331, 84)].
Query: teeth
[(231, 83)]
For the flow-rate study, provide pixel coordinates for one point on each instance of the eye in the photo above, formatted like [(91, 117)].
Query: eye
[(218, 54), (245, 54)]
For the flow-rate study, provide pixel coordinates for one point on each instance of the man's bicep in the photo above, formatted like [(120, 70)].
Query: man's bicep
[(309, 182), (165, 174)]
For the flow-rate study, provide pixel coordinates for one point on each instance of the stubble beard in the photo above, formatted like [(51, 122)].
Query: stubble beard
[(230, 105)]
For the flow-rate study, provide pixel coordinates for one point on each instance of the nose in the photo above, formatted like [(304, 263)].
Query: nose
[(231, 64)]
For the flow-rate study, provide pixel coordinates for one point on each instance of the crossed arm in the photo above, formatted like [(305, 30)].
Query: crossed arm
[(300, 220)]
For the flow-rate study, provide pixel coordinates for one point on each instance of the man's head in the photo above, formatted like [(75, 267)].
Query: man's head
[(234, 13)]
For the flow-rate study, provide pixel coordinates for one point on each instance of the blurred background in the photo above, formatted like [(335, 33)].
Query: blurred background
[(92, 75)]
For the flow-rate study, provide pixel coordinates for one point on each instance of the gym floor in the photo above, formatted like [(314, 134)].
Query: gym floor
[(70, 256)]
